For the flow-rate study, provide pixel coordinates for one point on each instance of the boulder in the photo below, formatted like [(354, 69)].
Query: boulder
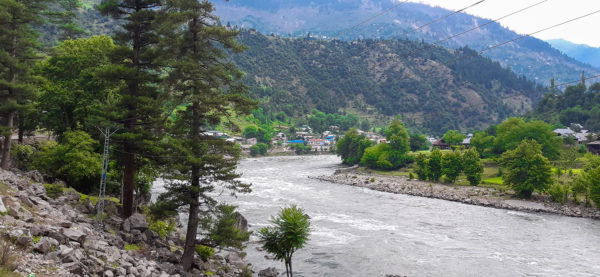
[(268, 272), (45, 245), (36, 189), (39, 230), (150, 235), (25, 199), (74, 235), (71, 195), (10, 178), (3, 209), (235, 260), (136, 221), (24, 240), (241, 222), (35, 176), (76, 268)]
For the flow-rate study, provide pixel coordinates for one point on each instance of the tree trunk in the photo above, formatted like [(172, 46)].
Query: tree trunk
[(21, 128), (7, 141), (291, 272), (128, 180)]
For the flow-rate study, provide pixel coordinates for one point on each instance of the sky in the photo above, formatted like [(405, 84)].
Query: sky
[(551, 12)]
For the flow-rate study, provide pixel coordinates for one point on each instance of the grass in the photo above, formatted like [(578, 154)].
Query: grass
[(94, 199), (494, 181), (132, 247)]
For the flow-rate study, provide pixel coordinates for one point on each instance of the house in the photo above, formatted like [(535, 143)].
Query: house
[(281, 136), (594, 147), (564, 132), (467, 141), (441, 144), (330, 139), (316, 142)]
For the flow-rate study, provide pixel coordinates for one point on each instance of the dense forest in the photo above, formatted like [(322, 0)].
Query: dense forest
[(578, 104), (433, 88)]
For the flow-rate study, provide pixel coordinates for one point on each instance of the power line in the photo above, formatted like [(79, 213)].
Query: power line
[(476, 27), (586, 78), (442, 18), (522, 36), (368, 19)]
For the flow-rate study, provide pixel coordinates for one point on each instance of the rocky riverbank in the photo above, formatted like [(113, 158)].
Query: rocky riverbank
[(58, 237), (481, 196)]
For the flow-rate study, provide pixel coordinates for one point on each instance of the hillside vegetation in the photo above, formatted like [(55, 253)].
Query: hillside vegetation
[(434, 90)]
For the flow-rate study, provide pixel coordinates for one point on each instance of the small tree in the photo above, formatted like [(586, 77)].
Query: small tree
[(290, 232), (224, 232), (526, 169), (421, 169), (453, 137), (472, 166), (352, 147), (452, 165), (434, 166)]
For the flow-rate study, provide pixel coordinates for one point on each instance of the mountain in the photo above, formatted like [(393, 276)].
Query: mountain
[(534, 58), (434, 90), (581, 52)]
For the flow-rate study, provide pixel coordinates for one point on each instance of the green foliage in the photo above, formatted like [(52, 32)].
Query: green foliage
[(250, 131), (397, 137), (22, 155), (72, 160), (224, 231), (351, 147), (558, 193), (453, 137), (258, 149), (589, 181), (321, 121), (131, 247), (390, 155), (54, 190), (472, 166), (422, 166), (526, 169), (163, 229), (411, 176), (301, 148), (512, 131), (418, 142), (483, 143), (289, 232), (205, 252), (452, 165), (434, 165)]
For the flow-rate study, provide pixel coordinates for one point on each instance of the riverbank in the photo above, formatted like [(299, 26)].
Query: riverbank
[(480, 196), (54, 233)]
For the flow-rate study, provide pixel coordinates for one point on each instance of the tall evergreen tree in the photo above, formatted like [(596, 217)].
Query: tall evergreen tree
[(18, 44), (200, 78), (139, 102)]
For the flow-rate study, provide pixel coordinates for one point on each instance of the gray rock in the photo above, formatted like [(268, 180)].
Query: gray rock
[(72, 196), (150, 235), (2, 207), (25, 199), (39, 230), (241, 222), (268, 272), (74, 235), (126, 226), (45, 245), (136, 221), (108, 273), (35, 176), (24, 240), (36, 189), (16, 233), (66, 224), (235, 260)]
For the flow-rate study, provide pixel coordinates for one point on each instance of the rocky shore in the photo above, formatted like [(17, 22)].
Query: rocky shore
[(59, 237), (481, 196)]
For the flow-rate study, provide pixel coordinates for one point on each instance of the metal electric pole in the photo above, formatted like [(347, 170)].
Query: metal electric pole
[(102, 194)]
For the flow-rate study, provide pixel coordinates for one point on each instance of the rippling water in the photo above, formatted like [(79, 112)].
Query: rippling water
[(360, 232)]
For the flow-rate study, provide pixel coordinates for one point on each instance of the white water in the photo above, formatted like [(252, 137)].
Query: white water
[(360, 232)]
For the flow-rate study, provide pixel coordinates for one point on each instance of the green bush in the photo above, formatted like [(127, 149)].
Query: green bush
[(258, 149), (224, 232), (558, 193), (205, 252), (54, 190), (22, 155), (162, 228), (411, 176)]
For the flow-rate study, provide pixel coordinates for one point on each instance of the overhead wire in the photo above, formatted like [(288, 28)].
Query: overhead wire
[(369, 19)]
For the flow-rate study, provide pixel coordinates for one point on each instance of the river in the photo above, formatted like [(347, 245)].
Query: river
[(361, 232)]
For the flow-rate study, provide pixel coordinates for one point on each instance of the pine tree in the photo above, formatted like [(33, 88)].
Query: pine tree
[(18, 44), (209, 86), (139, 101)]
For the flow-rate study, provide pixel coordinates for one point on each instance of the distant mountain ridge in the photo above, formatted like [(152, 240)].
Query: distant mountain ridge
[(433, 90), (581, 52), (531, 57)]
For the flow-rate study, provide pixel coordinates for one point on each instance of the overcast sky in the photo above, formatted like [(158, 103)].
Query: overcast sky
[(582, 31)]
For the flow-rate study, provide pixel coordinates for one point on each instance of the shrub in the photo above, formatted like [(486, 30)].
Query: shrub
[(558, 193), (452, 165), (132, 247), (473, 167), (205, 252), (22, 155), (434, 165), (526, 168), (224, 231), (162, 228), (7, 257), (411, 175), (54, 190)]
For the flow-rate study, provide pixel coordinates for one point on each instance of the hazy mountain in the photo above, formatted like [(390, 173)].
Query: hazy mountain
[(376, 79), (534, 58), (583, 53)]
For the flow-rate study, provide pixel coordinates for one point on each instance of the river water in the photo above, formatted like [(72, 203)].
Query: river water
[(361, 232)]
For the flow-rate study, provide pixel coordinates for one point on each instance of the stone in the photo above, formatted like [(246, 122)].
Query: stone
[(71, 195), (234, 259), (74, 235), (121, 271), (24, 240), (150, 235), (268, 272), (241, 222), (36, 189), (15, 233), (14, 213), (136, 236), (66, 224), (45, 245), (39, 230), (108, 273), (136, 221), (35, 176), (3, 209)]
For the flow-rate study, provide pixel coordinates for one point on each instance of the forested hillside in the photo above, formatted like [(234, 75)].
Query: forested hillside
[(534, 58), (434, 89)]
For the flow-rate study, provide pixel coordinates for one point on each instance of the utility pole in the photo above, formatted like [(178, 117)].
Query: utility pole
[(105, 130)]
